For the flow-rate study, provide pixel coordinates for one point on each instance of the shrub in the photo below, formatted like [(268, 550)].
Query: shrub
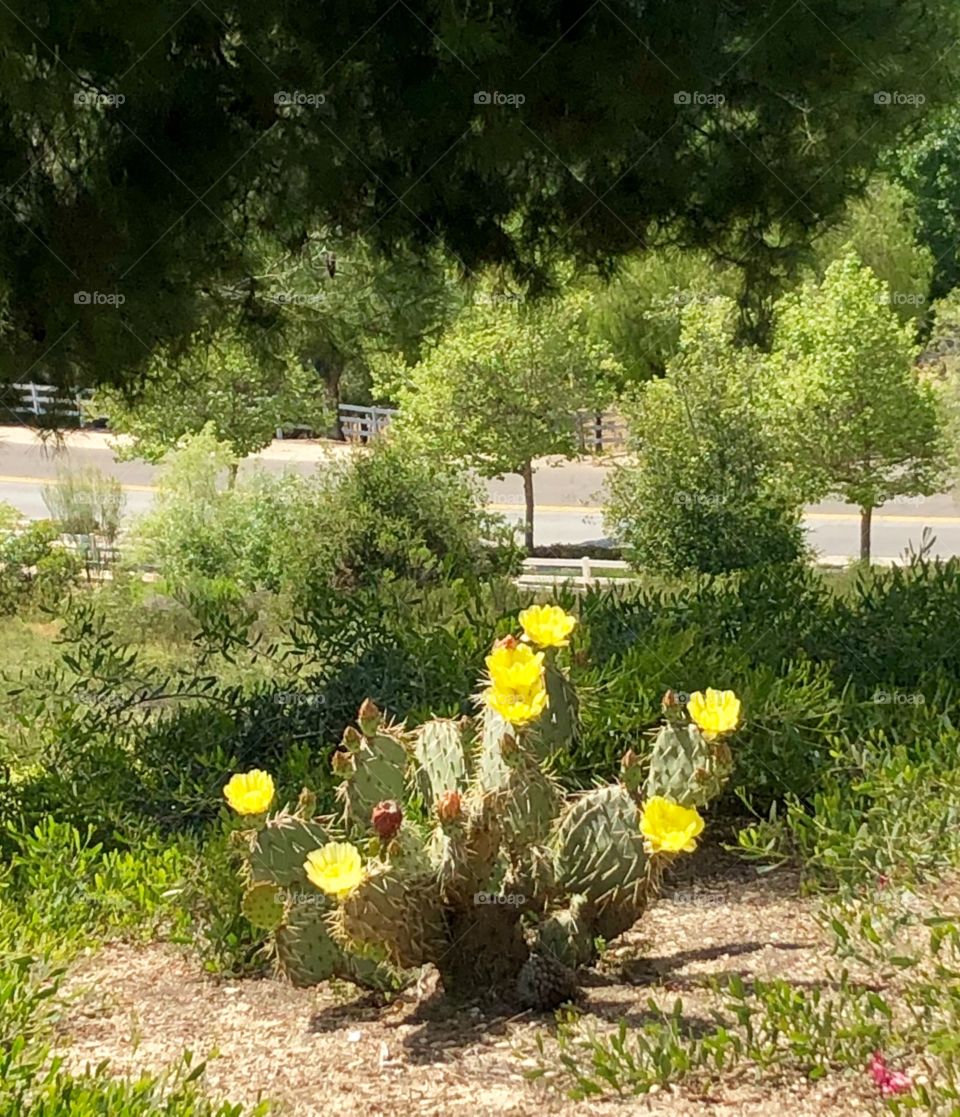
[(189, 531), (895, 626), (701, 494), (35, 570), (382, 513), (86, 502), (389, 512)]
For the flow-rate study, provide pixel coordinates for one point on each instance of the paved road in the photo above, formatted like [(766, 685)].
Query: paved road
[(569, 495)]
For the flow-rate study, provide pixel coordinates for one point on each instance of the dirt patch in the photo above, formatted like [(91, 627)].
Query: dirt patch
[(334, 1051)]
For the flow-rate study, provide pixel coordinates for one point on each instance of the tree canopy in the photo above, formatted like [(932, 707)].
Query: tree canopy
[(850, 414), (145, 150), (503, 386), (701, 491)]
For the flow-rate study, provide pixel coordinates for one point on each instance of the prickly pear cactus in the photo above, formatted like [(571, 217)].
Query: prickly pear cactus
[(280, 899), (685, 766), (374, 766), (456, 846)]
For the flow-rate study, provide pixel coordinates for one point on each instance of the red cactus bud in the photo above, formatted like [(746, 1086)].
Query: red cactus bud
[(448, 806), (509, 641), (669, 699), (385, 818), (369, 717)]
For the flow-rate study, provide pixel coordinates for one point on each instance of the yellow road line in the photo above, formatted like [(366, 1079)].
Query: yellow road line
[(881, 518), (582, 509), (567, 509), (840, 517), (10, 479)]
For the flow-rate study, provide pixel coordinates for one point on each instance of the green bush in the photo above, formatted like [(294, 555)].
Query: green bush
[(35, 570), (389, 512), (894, 627), (702, 494), (382, 513)]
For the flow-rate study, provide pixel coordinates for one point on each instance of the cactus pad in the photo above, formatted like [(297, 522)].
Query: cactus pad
[(263, 905), (558, 725), (599, 848), (401, 915), (377, 773), (306, 954), (442, 757), (567, 934), (278, 851), (687, 768)]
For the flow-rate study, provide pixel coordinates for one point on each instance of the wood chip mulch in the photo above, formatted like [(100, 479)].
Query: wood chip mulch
[(332, 1050)]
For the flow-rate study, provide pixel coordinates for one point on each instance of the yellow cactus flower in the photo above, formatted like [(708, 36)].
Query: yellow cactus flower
[(514, 666), (250, 792), (668, 827), (547, 626), (517, 705), (335, 868), (716, 712)]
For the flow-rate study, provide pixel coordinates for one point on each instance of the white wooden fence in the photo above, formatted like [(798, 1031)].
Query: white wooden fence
[(597, 432), (41, 399), (360, 424), (545, 573)]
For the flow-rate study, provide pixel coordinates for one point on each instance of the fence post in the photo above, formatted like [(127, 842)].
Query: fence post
[(585, 569)]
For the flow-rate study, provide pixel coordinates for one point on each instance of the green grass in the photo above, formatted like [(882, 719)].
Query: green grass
[(61, 893)]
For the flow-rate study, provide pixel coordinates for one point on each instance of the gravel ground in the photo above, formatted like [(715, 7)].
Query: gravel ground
[(330, 1050)]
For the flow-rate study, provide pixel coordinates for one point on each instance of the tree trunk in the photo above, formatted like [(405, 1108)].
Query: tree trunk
[(232, 470), (866, 517), (330, 371), (486, 954), (527, 474)]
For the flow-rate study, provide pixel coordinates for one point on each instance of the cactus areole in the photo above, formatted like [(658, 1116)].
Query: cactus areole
[(472, 856)]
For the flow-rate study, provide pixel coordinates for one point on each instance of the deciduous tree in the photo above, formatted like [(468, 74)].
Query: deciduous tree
[(502, 388), (851, 415)]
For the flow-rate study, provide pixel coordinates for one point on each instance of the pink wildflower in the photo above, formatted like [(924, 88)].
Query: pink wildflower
[(890, 1082)]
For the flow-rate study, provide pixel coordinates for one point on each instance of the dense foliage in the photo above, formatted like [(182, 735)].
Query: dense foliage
[(151, 158), (373, 515), (700, 493)]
